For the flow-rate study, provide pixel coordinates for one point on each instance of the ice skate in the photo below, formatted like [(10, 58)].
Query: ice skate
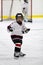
[(22, 54), (16, 55)]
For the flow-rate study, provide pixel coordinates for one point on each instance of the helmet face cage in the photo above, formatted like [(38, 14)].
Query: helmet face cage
[(19, 15)]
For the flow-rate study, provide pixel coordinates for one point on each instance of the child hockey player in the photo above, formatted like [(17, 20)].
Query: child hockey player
[(17, 28)]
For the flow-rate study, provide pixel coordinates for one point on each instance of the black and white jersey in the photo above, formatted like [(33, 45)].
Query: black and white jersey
[(17, 29)]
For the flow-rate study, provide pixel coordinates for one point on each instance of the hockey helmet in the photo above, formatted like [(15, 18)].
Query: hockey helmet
[(26, 1), (19, 15)]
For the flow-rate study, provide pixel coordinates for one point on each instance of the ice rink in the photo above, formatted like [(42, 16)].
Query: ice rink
[(32, 45)]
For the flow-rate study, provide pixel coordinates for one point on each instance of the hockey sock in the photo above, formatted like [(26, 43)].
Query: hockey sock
[(17, 47)]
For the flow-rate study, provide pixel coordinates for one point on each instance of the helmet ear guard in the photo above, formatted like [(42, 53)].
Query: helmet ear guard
[(19, 15)]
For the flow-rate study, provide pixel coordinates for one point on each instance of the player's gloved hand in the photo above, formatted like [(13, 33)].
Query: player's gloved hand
[(23, 32), (9, 28), (27, 30)]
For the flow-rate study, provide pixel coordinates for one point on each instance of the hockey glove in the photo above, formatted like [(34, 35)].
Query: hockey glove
[(23, 32), (27, 30), (9, 28)]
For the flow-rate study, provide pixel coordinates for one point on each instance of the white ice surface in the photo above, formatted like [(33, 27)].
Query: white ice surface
[(32, 45)]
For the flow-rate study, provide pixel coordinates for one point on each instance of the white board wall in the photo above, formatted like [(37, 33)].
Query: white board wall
[(37, 7)]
